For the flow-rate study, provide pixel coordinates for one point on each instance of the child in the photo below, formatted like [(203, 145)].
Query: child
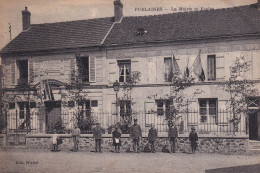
[(55, 141), (193, 137), (117, 139), (75, 135)]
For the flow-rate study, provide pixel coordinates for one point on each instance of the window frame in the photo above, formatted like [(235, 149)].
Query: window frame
[(127, 111), (164, 109), (126, 77), (80, 74), (205, 117), (20, 70)]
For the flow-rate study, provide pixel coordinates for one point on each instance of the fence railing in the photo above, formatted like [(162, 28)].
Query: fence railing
[(218, 123)]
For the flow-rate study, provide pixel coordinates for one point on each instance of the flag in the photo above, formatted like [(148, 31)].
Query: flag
[(46, 91), (197, 68)]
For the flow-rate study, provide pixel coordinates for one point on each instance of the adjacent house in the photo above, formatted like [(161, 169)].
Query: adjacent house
[(59, 74)]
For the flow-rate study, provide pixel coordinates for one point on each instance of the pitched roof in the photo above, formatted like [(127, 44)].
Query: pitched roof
[(49, 36), (241, 20)]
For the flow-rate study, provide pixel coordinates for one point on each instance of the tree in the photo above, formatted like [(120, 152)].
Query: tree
[(132, 80), (239, 89), (75, 91), (179, 84)]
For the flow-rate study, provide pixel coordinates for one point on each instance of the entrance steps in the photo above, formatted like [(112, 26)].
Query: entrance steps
[(254, 146)]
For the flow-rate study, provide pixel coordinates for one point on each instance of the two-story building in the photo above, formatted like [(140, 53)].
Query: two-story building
[(53, 71)]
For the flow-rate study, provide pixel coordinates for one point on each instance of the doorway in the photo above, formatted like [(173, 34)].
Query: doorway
[(253, 126), (53, 116)]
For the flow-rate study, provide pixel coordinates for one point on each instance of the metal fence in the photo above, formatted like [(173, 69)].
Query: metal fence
[(219, 123)]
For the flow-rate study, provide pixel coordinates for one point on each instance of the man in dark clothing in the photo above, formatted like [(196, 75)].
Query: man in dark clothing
[(136, 135), (97, 134), (75, 136), (152, 136), (193, 138), (173, 134)]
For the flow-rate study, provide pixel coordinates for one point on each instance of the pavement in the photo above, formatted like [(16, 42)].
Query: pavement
[(64, 161)]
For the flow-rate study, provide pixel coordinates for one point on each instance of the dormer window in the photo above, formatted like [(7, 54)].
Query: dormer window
[(141, 32)]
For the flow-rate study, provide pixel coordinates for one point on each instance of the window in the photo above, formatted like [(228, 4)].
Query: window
[(85, 108), (94, 103), (211, 67), (208, 110), (164, 107), (83, 68), (124, 70), (253, 103), (23, 109), (22, 66), (171, 67), (125, 108), (141, 32)]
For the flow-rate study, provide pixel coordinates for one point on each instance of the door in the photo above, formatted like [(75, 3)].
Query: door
[(53, 116), (253, 126)]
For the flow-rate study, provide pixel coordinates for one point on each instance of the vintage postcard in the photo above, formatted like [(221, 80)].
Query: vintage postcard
[(129, 86)]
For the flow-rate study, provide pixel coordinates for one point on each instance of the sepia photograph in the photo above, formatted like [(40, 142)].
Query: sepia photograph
[(121, 86)]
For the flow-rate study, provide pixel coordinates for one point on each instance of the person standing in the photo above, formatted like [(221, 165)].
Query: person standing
[(97, 134), (55, 141), (117, 139), (173, 135), (193, 138), (75, 136), (152, 136), (136, 135)]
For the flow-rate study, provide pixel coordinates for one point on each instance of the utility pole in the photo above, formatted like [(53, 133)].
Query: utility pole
[(10, 31)]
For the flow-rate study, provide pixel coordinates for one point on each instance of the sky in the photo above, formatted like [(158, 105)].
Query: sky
[(50, 11)]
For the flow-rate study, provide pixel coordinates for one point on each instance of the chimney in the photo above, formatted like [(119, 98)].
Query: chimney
[(26, 19), (118, 10)]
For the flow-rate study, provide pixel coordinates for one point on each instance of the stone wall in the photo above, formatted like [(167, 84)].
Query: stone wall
[(2, 140), (205, 144)]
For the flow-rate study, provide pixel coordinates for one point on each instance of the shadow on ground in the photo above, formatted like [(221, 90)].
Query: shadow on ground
[(236, 169)]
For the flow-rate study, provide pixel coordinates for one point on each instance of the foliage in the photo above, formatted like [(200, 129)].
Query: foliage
[(239, 89), (128, 86), (85, 124)]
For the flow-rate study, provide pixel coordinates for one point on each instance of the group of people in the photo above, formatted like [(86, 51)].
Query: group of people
[(135, 134)]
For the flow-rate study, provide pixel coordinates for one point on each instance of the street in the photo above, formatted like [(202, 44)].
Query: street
[(64, 161)]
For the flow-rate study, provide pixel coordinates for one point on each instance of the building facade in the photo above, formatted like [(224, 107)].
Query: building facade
[(54, 79)]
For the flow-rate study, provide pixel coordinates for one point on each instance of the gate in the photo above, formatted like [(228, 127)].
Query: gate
[(18, 126)]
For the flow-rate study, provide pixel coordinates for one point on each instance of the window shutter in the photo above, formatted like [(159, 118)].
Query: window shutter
[(220, 70), (255, 64), (31, 71), (113, 71), (92, 69), (193, 113), (152, 70), (223, 115), (211, 61), (72, 69), (113, 108), (13, 78), (134, 65), (149, 108)]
